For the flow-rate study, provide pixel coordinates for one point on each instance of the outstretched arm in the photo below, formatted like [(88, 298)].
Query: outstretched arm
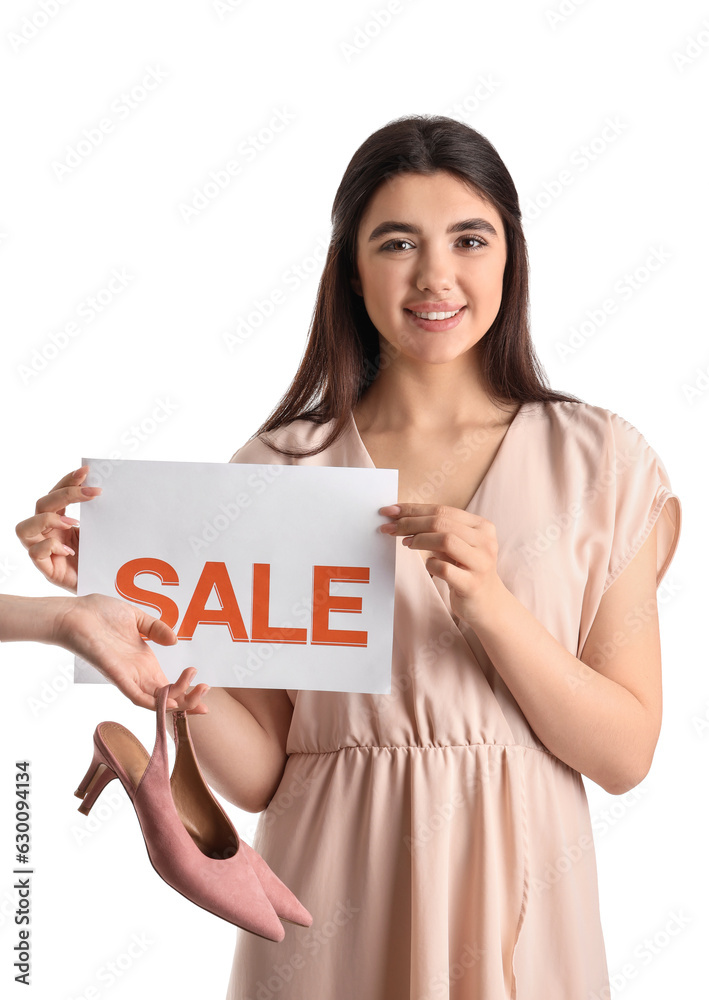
[(105, 632)]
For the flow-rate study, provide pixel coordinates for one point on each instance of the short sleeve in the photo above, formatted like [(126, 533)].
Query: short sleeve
[(298, 435), (643, 498), (257, 452)]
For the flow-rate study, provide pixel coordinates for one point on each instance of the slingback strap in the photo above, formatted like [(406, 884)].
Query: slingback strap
[(159, 758)]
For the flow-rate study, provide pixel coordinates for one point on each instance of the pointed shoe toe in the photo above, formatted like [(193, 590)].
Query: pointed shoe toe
[(285, 903)]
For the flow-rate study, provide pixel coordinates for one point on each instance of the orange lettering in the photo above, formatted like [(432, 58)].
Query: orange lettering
[(127, 588), (261, 631), (214, 575), (324, 602)]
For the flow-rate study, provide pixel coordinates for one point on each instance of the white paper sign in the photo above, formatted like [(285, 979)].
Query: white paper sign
[(272, 576)]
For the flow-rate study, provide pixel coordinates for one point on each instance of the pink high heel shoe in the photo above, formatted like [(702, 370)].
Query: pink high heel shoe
[(285, 903), (190, 840)]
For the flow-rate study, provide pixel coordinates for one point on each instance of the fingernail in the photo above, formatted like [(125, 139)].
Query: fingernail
[(69, 552), (394, 509), (78, 472), (67, 520), (91, 491)]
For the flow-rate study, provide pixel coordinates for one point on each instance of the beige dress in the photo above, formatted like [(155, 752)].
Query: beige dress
[(442, 850)]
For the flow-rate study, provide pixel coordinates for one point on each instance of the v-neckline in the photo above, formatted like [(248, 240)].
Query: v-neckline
[(369, 463), (485, 478)]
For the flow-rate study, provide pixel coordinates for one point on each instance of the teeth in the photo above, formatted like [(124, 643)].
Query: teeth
[(436, 315)]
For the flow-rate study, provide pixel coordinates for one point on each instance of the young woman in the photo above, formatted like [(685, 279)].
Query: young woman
[(440, 835)]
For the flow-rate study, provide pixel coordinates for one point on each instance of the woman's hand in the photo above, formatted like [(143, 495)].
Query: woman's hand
[(105, 632), (465, 553), (52, 538)]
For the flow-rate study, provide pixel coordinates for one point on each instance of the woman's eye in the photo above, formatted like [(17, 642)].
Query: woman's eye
[(469, 239), (390, 244), (474, 239)]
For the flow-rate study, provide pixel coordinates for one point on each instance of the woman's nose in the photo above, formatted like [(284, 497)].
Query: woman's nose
[(435, 271)]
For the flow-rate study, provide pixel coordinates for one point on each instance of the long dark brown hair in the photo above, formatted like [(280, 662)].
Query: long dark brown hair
[(342, 356)]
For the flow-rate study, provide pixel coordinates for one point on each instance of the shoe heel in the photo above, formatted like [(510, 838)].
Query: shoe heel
[(94, 781)]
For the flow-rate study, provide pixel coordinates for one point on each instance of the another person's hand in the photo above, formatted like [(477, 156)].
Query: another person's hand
[(52, 538), (106, 632)]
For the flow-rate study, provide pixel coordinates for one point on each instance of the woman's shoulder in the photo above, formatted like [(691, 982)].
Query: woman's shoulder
[(592, 427), (300, 434)]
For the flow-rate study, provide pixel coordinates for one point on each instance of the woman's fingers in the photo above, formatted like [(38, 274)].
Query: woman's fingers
[(41, 554), (55, 557), (39, 526), (58, 499), (71, 478), (49, 530)]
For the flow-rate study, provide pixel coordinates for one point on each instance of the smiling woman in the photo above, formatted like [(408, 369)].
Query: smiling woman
[(383, 272), (457, 802), (440, 835)]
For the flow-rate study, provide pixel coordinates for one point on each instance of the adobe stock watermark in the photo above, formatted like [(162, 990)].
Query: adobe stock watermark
[(695, 45), (219, 178), (635, 620), (8, 906), (644, 954), (7, 568), (282, 974), (32, 24), (134, 437), (464, 448), (695, 390), (227, 514), (259, 653), (111, 800), (375, 705), (485, 764), (264, 308), (607, 819), (378, 21), (50, 690), (624, 289), (580, 159), (285, 797), (112, 971), (121, 108), (701, 723), (87, 311), (224, 7), (439, 984), (561, 12), (483, 89), (555, 870), (562, 521)]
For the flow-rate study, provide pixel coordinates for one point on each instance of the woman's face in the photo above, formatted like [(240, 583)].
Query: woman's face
[(428, 243)]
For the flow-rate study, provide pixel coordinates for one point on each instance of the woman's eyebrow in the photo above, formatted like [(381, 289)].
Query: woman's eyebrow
[(392, 226)]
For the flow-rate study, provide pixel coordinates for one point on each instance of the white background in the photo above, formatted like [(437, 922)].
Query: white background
[(540, 90)]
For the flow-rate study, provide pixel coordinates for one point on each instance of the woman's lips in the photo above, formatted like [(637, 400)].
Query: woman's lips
[(436, 325)]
